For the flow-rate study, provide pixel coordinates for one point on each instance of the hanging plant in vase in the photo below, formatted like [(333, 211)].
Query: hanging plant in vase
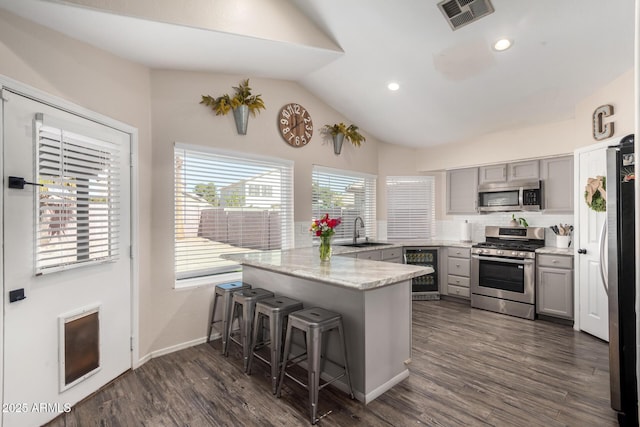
[(241, 103), (340, 131)]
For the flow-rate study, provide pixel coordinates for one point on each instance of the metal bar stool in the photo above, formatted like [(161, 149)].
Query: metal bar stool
[(224, 291), (313, 322), (243, 309), (276, 310)]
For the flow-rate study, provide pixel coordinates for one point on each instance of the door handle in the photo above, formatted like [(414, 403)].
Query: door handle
[(582, 251), (603, 265), (19, 182)]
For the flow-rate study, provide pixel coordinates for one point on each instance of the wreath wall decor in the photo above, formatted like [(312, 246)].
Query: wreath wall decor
[(595, 194)]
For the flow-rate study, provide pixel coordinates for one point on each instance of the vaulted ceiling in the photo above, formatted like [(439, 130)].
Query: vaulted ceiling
[(453, 84)]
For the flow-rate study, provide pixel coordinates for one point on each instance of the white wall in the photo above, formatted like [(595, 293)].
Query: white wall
[(547, 139)]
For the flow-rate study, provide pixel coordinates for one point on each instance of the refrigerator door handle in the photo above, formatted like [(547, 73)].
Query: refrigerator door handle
[(603, 266)]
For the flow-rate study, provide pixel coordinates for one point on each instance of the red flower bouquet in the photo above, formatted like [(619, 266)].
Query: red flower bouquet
[(325, 229)]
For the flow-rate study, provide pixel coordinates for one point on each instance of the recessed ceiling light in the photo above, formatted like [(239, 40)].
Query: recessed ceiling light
[(393, 86), (502, 44)]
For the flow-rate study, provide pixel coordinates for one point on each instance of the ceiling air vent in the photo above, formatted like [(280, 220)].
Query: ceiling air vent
[(462, 12)]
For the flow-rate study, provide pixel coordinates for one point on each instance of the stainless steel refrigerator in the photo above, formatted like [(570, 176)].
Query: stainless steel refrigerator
[(621, 281)]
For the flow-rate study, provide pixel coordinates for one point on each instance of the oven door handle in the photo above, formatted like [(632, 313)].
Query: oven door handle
[(505, 260)]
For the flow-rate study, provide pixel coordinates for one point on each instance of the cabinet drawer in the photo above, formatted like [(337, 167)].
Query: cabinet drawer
[(557, 261), (458, 291), (458, 281), (388, 254), (460, 252), (372, 255), (458, 266)]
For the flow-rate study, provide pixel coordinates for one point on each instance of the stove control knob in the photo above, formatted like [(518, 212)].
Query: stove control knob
[(499, 252), (514, 253), (522, 254)]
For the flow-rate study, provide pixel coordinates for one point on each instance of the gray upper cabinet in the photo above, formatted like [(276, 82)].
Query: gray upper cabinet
[(493, 173), (462, 191), (557, 181), (520, 171), (524, 171)]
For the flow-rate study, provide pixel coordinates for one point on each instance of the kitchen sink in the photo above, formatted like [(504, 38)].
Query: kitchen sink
[(364, 244)]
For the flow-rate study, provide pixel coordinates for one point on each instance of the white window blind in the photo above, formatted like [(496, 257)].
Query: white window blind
[(78, 201), (347, 195), (410, 207), (228, 203)]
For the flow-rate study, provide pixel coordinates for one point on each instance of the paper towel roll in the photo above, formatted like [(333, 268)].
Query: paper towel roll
[(465, 232)]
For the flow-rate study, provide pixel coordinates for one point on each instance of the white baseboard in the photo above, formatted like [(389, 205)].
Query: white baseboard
[(378, 391), (167, 350)]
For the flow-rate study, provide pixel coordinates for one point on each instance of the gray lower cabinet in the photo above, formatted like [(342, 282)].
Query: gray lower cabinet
[(458, 271), (391, 255), (557, 181), (462, 191), (387, 255), (554, 285), (370, 255)]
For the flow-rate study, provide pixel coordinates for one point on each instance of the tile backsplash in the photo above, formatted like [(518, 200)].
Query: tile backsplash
[(451, 229)]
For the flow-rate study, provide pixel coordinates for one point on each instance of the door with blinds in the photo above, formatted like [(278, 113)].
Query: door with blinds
[(67, 267)]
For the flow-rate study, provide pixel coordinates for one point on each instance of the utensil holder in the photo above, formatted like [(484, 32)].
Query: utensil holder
[(563, 241)]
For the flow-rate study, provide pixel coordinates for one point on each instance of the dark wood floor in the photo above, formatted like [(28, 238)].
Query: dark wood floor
[(469, 368)]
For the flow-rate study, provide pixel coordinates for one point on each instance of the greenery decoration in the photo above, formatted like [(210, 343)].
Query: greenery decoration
[(523, 222), (242, 96), (594, 197), (350, 132)]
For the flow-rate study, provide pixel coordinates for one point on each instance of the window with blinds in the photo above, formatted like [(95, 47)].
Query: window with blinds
[(410, 207), (347, 195), (78, 200), (228, 203)]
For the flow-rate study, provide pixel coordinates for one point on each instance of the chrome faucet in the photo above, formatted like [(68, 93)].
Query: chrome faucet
[(356, 232)]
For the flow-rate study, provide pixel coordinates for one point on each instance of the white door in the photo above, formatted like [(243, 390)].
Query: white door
[(591, 296), (66, 246)]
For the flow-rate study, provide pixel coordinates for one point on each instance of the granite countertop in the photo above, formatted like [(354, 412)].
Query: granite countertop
[(400, 244), (552, 250), (348, 272)]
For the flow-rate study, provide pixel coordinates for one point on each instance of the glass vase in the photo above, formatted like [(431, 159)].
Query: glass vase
[(325, 248)]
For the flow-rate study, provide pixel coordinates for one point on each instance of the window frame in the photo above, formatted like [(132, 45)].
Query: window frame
[(345, 231), (411, 198), (232, 273)]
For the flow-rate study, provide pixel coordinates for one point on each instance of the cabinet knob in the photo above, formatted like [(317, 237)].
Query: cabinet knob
[(582, 251), (457, 265), (555, 261)]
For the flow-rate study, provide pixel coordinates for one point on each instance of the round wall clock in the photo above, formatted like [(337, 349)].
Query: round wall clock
[(295, 125)]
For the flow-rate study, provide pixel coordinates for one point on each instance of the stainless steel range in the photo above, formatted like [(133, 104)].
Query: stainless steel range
[(503, 270)]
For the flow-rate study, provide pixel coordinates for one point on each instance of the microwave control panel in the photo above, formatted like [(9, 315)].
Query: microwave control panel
[(530, 197)]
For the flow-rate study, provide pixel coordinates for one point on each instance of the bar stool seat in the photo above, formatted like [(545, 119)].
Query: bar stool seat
[(243, 309), (276, 311), (224, 291), (314, 322)]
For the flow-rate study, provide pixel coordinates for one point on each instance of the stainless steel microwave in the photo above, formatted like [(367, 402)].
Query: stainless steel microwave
[(510, 196)]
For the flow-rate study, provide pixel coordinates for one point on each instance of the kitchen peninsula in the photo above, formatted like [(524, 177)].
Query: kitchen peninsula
[(373, 297)]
